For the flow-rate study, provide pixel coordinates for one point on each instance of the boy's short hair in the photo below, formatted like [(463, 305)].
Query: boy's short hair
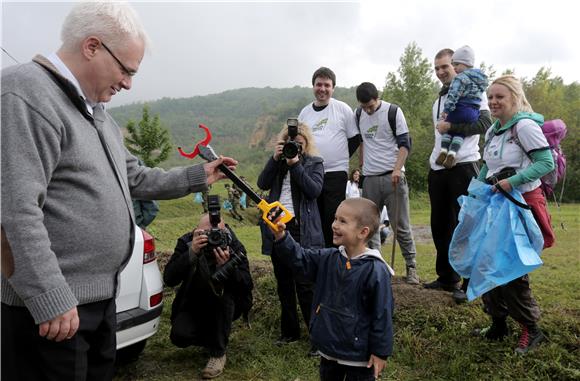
[(324, 72), (366, 214)]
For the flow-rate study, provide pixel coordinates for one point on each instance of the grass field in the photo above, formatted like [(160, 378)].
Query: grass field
[(432, 334)]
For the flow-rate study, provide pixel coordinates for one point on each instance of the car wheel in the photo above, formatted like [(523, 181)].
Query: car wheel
[(130, 353)]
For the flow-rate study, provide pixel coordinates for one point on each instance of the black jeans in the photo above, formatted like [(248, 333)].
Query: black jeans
[(88, 355), (289, 287), (333, 193), (513, 299), (333, 371), (207, 325), (445, 186)]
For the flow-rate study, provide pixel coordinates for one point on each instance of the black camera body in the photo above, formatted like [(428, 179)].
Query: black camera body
[(291, 148), (221, 238), (216, 237)]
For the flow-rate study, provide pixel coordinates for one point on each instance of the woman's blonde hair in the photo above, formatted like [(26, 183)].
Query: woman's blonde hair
[(303, 130), (516, 89)]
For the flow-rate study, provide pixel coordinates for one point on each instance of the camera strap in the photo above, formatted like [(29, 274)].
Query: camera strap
[(511, 198)]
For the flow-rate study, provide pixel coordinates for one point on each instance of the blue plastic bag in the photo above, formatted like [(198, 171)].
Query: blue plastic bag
[(198, 199), (495, 241), (227, 205), (243, 201)]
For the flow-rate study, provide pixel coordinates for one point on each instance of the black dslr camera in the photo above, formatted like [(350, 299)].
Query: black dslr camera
[(291, 148), (222, 238), (216, 237)]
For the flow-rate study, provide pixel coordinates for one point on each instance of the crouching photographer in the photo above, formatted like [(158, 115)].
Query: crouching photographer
[(211, 265)]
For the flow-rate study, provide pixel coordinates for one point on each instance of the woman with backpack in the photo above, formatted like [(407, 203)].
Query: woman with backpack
[(511, 164), (296, 182)]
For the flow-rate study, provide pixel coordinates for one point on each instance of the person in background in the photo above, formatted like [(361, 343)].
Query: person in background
[(353, 184), (384, 156), (352, 323), (530, 162), (234, 199), (445, 185), (295, 182), (203, 309), (67, 182), (336, 137)]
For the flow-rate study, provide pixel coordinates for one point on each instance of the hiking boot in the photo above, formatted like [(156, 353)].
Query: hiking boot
[(215, 367), (449, 161), (459, 296), (441, 158), (496, 331), (437, 285), (530, 338), (412, 277)]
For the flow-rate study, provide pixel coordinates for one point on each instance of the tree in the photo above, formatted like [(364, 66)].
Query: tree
[(413, 89), (148, 140)]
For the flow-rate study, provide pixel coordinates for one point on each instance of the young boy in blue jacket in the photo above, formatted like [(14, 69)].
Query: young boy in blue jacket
[(351, 323)]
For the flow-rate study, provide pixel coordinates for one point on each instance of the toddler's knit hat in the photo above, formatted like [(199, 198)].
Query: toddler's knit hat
[(464, 55)]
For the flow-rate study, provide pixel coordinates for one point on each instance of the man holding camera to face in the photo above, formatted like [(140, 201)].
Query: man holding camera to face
[(211, 265)]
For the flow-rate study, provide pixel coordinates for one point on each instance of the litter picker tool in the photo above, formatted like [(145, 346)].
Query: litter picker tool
[(271, 213)]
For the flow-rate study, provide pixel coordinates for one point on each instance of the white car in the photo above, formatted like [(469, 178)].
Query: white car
[(140, 299)]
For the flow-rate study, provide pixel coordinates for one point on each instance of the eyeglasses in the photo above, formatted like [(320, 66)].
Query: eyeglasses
[(126, 71)]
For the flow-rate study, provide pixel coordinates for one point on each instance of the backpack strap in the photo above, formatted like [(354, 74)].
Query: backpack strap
[(392, 118), (358, 113)]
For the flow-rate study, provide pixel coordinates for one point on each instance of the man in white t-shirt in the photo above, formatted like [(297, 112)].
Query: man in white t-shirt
[(445, 185), (336, 138), (384, 155)]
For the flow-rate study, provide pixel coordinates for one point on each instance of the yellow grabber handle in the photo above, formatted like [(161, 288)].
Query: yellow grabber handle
[(274, 213)]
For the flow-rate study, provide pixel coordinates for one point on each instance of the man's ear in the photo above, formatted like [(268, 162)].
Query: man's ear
[(90, 46)]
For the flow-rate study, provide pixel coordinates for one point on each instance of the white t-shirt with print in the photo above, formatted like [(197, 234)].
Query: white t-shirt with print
[(352, 189), (286, 194), (501, 151), (380, 145), (331, 128), (469, 150)]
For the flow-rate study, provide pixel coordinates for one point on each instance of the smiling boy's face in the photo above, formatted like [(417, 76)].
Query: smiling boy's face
[(345, 228)]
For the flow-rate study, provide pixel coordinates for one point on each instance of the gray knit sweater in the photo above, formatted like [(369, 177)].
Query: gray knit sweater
[(67, 184)]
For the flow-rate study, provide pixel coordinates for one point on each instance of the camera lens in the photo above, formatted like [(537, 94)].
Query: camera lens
[(290, 150)]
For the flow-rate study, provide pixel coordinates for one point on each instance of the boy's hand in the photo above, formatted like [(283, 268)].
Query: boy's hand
[(378, 363), (281, 232)]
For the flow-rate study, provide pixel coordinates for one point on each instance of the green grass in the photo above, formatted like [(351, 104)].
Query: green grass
[(432, 334)]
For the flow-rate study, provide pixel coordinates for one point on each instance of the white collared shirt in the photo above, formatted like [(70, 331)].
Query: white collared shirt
[(65, 72)]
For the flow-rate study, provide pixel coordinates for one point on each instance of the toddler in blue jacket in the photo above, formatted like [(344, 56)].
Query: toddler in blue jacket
[(352, 309)]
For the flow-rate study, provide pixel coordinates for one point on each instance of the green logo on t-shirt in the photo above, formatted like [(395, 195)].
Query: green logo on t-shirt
[(320, 125), (371, 132)]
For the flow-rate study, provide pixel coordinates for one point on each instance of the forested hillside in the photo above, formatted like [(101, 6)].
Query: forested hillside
[(244, 121)]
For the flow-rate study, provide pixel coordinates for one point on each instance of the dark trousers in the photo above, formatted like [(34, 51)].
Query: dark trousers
[(333, 371), (513, 299), (333, 193), (291, 286), (208, 325), (89, 355), (445, 186)]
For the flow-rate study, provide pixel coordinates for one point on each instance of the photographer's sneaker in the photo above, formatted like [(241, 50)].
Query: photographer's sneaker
[(530, 338), (412, 277), (215, 367)]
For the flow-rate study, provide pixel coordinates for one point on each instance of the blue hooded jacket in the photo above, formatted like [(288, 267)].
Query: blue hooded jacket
[(353, 304)]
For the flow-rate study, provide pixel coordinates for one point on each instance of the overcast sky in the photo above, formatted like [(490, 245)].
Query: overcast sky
[(204, 48)]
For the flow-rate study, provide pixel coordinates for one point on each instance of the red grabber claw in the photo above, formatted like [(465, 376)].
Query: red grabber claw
[(203, 142)]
